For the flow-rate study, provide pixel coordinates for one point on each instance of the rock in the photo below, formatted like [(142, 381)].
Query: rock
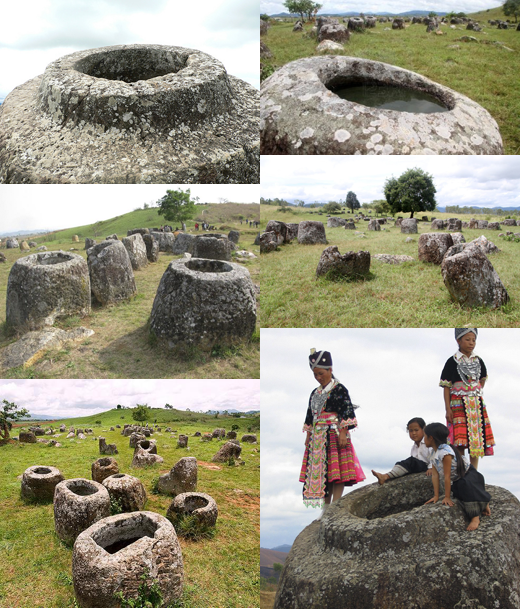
[(24, 246), (112, 237), (2, 257), (183, 244), (45, 287), (137, 122), (350, 264), (433, 246), (454, 225), (219, 432), (488, 247), (482, 224), (27, 436), (333, 31), (39, 482), (89, 243), (284, 232), (234, 236), (226, 452), (32, 346), (471, 279), (145, 458), (458, 238), (200, 505), (374, 225), (202, 302), (111, 275), (182, 478), (137, 251), (373, 534), (103, 468), (356, 24), (327, 46), (213, 247), (135, 438), (392, 258), (11, 243), (152, 248), (493, 226), (409, 226), (398, 24), (300, 114), (126, 489), (350, 226), (311, 232), (509, 222), (250, 438), (118, 553), (437, 224), (107, 449), (78, 503), (298, 27), (265, 51), (182, 442), (165, 240)]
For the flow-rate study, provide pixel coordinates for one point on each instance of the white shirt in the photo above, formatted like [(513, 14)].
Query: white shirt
[(421, 452)]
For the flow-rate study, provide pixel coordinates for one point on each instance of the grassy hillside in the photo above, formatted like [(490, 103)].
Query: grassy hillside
[(35, 566), (121, 346), (462, 66), (412, 294)]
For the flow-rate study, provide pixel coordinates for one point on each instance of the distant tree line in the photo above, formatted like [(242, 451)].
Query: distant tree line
[(456, 209)]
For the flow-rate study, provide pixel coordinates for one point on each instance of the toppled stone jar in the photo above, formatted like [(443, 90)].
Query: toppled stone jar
[(302, 114), (130, 114)]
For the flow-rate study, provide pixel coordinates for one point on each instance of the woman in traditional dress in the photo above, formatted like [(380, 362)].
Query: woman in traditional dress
[(330, 461), (463, 379)]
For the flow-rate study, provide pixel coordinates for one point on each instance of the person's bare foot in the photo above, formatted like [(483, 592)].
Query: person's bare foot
[(382, 478), (473, 524), (487, 511)]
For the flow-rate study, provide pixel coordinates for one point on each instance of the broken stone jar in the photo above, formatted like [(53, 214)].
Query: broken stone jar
[(200, 505), (114, 555), (302, 112)]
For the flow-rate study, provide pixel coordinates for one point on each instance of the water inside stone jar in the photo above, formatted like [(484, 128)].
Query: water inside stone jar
[(387, 97)]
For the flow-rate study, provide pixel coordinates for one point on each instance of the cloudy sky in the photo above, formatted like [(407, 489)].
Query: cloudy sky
[(393, 375), (36, 32), (80, 398), (272, 7), (484, 181), (57, 206)]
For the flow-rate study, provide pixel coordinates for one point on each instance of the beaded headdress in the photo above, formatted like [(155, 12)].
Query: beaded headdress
[(459, 332), (320, 359)]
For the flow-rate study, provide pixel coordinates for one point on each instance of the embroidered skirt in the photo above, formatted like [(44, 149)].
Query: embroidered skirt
[(326, 462), (471, 427)]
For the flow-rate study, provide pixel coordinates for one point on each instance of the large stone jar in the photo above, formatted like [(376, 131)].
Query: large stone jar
[(381, 546), (127, 490), (78, 503), (201, 302), (128, 114), (39, 482), (45, 287), (181, 478), (113, 554), (111, 274)]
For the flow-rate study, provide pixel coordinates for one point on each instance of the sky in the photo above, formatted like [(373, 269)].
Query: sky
[(482, 181), (272, 7), (393, 375), (57, 206), (81, 398), (36, 32)]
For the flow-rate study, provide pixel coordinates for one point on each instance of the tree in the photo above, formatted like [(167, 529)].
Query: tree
[(168, 406), (277, 567), (352, 201), (302, 7), (141, 412), (10, 412), (176, 206), (511, 8), (413, 191), (332, 207)]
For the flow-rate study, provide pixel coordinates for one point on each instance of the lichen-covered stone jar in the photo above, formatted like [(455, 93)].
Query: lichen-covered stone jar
[(301, 114), (126, 114)]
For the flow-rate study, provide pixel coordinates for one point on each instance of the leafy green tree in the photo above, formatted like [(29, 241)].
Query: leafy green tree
[(277, 567), (141, 412), (168, 406), (511, 8), (352, 201), (10, 412), (177, 206), (332, 207), (412, 192), (302, 8)]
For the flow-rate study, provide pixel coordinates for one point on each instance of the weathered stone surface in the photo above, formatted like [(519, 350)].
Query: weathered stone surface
[(182, 442), (493, 226), (131, 114), (311, 232), (166, 240), (285, 233), (482, 224), (269, 241), (44, 287), (454, 225), (433, 246), (228, 451), (202, 302), (39, 482), (437, 224), (373, 224), (144, 457), (152, 248), (182, 478), (250, 438), (32, 346), (107, 449), (471, 279), (375, 533), (300, 115), (27, 436), (213, 247), (350, 264), (126, 489), (135, 438), (409, 226), (200, 505), (509, 222), (487, 246), (89, 243), (333, 31), (234, 236), (103, 468), (115, 553), (78, 503), (458, 238), (11, 243), (327, 46), (136, 249), (111, 274), (392, 258)]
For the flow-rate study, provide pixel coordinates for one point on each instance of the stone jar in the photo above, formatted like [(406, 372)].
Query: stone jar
[(126, 489), (137, 252), (200, 505), (45, 287), (113, 554), (78, 503), (39, 482), (182, 478), (311, 232), (111, 274), (351, 264), (433, 246), (229, 450), (409, 226), (103, 468)]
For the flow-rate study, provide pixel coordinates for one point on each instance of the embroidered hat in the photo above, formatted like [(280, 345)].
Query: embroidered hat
[(320, 359), (459, 332)]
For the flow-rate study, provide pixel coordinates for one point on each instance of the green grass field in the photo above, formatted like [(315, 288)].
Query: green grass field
[(412, 294), (121, 346), (35, 566), (483, 71)]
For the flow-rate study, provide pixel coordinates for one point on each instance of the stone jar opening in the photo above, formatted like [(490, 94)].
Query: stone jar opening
[(105, 462), (41, 470), (82, 488), (52, 258), (194, 502), (132, 65), (204, 265), (113, 538)]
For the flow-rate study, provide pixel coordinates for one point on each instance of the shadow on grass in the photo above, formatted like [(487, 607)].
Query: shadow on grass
[(336, 276)]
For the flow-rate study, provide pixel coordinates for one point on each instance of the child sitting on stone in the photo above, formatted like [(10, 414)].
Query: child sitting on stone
[(418, 462)]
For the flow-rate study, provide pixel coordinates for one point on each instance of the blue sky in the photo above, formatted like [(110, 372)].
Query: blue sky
[(393, 375), (482, 181)]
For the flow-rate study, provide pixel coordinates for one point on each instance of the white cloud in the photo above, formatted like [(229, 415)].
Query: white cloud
[(382, 6)]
